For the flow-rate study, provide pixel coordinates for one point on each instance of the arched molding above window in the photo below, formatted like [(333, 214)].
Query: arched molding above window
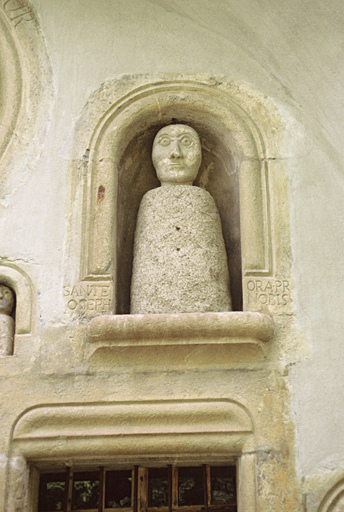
[(194, 428)]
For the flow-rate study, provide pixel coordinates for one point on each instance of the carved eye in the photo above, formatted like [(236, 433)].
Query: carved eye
[(186, 141), (164, 141)]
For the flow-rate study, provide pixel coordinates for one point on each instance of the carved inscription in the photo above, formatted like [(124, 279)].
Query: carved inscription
[(18, 11), (268, 293), (89, 298)]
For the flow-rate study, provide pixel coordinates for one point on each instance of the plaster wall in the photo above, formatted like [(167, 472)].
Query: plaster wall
[(291, 55)]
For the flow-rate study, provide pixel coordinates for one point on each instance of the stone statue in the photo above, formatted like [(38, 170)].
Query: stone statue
[(180, 261), (6, 321)]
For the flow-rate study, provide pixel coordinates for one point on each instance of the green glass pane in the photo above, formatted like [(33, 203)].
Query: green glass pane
[(52, 492), (190, 486), (85, 490), (158, 487), (118, 489), (223, 485)]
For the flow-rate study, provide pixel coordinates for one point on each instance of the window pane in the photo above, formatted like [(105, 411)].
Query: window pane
[(158, 487), (223, 485), (85, 490), (118, 489), (190, 486), (51, 492)]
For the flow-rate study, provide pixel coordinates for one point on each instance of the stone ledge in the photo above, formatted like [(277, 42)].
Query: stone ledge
[(181, 329)]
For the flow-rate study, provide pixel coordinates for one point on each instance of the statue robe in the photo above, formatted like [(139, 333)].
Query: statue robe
[(180, 262)]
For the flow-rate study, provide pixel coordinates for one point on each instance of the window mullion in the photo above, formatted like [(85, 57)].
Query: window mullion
[(206, 486), (142, 504), (101, 489), (170, 488), (209, 484), (174, 487), (69, 490), (135, 489)]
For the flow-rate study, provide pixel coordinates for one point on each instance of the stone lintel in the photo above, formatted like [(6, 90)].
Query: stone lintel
[(141, 429)]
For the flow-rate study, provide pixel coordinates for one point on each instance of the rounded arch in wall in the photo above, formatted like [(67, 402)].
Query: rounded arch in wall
[(120, 171), (334, 499), (11, 84), (25, 94)]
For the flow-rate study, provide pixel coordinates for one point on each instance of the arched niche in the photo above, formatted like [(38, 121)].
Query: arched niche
[(120, 171), (18, 281)]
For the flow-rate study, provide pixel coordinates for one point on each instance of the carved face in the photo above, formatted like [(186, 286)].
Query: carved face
[(177, 155), (6, 300)]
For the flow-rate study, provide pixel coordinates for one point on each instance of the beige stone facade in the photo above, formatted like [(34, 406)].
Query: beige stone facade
[(85, 88)]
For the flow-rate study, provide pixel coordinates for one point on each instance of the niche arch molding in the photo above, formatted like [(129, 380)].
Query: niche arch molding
[(228, 132)]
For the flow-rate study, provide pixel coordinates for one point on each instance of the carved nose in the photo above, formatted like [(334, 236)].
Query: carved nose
[(175, 151)]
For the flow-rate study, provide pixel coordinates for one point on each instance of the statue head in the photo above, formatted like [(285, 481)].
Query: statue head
[(6, 300), (177, 154)]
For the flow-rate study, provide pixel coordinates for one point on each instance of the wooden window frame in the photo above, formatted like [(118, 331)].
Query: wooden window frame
[(140, 491)]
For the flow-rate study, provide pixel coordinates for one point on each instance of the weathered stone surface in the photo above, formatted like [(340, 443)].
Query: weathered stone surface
[(180, 261)]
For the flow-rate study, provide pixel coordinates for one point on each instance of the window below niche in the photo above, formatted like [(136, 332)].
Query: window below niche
[(140, 489)]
